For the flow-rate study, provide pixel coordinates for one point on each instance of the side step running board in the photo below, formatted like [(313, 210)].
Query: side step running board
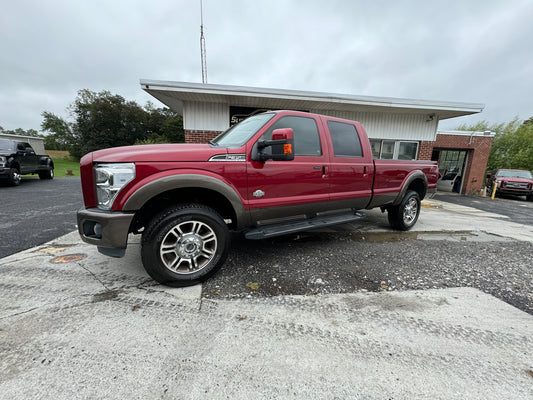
[(283, 228)]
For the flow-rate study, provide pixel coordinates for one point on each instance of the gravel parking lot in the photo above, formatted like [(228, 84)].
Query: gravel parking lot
[(326, 263)]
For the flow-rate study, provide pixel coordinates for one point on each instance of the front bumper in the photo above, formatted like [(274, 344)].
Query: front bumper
[(515, 192), (106, 229)]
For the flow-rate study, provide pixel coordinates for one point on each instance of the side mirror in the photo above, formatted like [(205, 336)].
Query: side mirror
[(282, 145), (489, 176)]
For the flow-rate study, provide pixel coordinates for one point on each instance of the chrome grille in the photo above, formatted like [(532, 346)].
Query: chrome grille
[(516, 185)]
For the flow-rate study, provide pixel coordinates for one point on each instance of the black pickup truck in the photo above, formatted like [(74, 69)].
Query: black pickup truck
[(19, 158)]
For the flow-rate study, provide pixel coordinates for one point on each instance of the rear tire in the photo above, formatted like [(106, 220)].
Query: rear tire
[(404, 216), (185, 245), (48, 174)]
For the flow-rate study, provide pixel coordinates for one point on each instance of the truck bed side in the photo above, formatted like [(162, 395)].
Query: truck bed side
[(392, 178)]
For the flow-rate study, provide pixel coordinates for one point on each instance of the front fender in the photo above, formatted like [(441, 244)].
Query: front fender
[(144, 191)]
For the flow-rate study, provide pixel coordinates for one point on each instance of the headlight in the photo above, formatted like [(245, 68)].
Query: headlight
[(3, 161), (110, 179)]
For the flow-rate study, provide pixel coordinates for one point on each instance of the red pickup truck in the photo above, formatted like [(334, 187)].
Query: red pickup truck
[(517, 182), (274, 173)]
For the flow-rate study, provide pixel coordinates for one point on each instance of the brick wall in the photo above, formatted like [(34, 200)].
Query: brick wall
[(200, 136), (425, 150), (478, 148)]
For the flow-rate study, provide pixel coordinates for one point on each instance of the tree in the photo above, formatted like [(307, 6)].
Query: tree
[(528, 121), (61, 136), (513, 149), (164, 125), (512, 146), (173, 129), (102, 120), (21, 132)]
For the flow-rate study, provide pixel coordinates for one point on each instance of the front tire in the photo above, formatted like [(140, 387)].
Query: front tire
[(404, 216), (185, 245), (14, 177)]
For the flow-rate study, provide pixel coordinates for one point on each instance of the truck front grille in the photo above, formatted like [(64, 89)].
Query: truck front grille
[(517, 185)]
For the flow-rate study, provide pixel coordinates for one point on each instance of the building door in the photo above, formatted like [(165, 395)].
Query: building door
[(452, 165)]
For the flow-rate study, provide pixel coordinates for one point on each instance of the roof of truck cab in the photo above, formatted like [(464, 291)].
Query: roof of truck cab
[(173, 94)]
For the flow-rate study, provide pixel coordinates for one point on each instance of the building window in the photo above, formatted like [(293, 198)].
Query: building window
[(407, 150), (394, 149), (387, 149), (375, 145)]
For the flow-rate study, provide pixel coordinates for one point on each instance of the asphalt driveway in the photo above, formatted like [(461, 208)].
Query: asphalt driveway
[(512, 208), (37, 211)]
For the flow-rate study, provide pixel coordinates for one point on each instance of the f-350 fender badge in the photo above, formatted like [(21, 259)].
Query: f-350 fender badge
[(258, 193)]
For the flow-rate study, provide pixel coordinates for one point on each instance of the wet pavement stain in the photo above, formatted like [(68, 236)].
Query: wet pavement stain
[(453, 236), (52, 249), (68, 258), (383, 237), (108, 295)]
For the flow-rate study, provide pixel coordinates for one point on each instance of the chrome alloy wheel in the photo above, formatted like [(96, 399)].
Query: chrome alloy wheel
[(188, 247), (410, 211), (15, 177)]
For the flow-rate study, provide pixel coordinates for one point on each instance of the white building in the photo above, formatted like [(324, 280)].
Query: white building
[(397, 128)]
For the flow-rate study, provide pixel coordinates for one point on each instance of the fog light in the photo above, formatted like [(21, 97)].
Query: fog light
[(98, 230), (92, 229)]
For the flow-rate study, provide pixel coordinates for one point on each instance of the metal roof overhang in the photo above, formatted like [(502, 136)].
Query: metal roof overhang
[(173, 94)]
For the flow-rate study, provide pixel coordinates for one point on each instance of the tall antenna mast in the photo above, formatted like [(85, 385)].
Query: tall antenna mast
[(202, 45)]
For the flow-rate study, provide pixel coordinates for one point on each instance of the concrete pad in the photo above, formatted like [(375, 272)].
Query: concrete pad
[(441, 217), (452, 217), (76, 324)]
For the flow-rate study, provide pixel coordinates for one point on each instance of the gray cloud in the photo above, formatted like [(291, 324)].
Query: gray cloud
[(475, 51)]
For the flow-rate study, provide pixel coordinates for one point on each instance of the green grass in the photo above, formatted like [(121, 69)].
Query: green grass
[(62, 164)]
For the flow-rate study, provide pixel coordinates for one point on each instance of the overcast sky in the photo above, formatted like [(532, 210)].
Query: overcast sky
[(465, 51)]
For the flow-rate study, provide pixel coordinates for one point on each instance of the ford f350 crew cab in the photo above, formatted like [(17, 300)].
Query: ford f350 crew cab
[(274, 173)]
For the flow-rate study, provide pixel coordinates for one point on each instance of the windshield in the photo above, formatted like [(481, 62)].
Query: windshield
[(514, 174), (239, 134), (7, 145)]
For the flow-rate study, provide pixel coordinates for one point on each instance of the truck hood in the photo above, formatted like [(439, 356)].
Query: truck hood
[(158, 153)]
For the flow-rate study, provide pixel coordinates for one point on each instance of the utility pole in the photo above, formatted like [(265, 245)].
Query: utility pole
[(202, 45)]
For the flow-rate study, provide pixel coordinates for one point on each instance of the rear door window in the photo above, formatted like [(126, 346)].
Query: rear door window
[(345, 139)]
